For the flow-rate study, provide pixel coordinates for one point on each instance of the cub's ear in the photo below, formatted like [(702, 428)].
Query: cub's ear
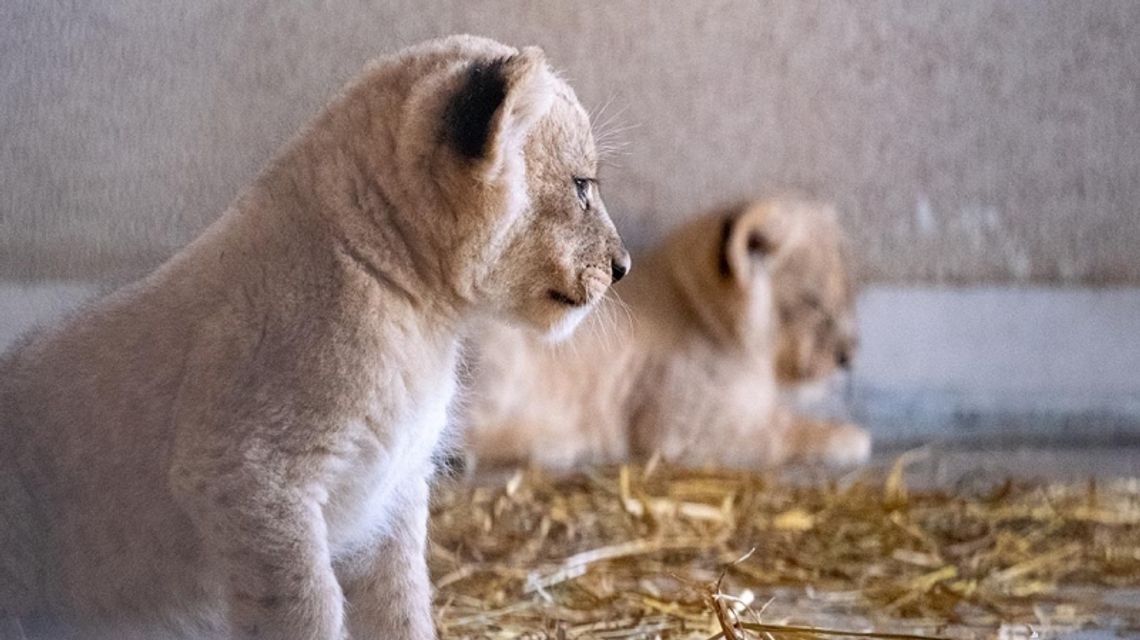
[(496, 104), (748, 238)]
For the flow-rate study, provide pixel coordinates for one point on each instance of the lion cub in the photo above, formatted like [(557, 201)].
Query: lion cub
[(240, 444), (686, 360)]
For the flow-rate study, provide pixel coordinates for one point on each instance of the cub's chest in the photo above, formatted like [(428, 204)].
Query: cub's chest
[(381, 458)]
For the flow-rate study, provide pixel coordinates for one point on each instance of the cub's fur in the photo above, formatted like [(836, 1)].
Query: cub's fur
[(240, 444), (686, 360)]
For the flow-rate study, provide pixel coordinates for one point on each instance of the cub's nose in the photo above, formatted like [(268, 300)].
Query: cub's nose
[(620, 265)]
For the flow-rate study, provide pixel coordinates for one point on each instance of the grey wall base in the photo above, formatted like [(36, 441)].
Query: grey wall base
[(978, 367), (996, 366)]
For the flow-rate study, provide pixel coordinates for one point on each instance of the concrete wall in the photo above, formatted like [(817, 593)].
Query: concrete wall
[(965, 140)]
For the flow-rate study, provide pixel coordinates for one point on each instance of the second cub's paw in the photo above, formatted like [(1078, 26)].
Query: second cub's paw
[(838, 444), (847, 445)]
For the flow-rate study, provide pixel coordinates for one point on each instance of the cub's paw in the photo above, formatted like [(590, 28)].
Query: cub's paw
[(838, 444)]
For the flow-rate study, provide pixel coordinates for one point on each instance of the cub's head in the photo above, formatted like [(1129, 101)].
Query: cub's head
[(771, 273), (517, 165)]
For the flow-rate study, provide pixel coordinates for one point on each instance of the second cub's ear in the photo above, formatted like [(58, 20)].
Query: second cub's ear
[(496, 104), (747, 239)]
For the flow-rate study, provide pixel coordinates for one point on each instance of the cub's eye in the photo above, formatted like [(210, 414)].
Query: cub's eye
[(582, 186)]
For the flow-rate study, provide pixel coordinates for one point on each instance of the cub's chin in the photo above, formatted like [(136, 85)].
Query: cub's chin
[(563, 327), (554, 317)]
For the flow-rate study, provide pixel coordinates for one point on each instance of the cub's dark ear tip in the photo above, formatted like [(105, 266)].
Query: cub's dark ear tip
[(722, 265), (467, 119), (759, 243)]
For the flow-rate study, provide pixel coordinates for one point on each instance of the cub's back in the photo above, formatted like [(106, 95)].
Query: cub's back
[(65, 483)]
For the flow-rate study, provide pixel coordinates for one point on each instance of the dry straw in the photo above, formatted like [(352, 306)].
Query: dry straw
[(669, 553)]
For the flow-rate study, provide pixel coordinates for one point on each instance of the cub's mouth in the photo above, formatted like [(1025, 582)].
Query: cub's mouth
[(562, 298)]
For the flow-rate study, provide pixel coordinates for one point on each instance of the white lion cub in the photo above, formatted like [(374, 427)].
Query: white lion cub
[(240, 444)]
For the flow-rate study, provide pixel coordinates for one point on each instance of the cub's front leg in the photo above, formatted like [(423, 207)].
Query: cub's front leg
[(387, 586), (267, 543)]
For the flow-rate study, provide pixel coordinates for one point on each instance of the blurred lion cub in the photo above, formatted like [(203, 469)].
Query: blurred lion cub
[(239, 445), (688, 358)]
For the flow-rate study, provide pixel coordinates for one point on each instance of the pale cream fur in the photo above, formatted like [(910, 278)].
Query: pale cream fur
[(240, 444), (687, 356)]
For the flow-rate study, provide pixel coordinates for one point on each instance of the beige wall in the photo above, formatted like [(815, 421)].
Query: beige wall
[(965, 141)]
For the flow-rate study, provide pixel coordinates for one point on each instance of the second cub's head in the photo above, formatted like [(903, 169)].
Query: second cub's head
[(812, 292), (771, 273), (518, 166)]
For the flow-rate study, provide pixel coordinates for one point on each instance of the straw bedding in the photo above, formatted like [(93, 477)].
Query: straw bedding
[(656, 551)]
